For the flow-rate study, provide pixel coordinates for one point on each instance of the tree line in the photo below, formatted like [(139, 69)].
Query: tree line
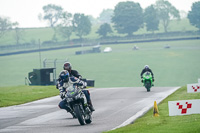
[(126, 18)]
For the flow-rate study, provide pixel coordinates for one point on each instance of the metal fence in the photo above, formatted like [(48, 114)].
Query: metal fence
[(54, 63)]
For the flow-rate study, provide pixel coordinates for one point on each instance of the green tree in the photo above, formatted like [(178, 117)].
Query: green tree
[(166, 11), (194, 15), (65, 32), (128, 17), (18, 33), (81, 25), (52, 14), (106, 16), (93, 20), (104, 30), (150, 18), (5, 25), (65, 28)]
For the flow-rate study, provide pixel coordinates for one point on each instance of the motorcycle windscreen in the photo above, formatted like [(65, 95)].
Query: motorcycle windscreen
[(72, 91), (147, 75)]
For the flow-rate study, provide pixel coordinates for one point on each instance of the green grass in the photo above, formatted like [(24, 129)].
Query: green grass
[(22, 94), (46, 34), (176, 66), (165, 123)]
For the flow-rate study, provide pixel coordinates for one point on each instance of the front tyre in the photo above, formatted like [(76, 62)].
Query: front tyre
[(148, 85), (79, 115), (88, 121)]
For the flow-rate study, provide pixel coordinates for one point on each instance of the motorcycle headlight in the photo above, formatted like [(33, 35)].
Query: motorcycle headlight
[(147, 77), (77, 96), (69, 99)]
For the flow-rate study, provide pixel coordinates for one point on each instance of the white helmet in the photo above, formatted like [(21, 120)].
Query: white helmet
[(146, 66)]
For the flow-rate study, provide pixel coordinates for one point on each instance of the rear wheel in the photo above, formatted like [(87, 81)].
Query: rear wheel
[(79, 115)]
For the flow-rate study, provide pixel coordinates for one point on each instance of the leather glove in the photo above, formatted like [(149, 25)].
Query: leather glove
[(80, 84), (80, 77), (56, 86), (84, 84), (62, 95)]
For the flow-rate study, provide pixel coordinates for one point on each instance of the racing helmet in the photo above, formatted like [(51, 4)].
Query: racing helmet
[(64, 76), (146, 66), (67, 66)]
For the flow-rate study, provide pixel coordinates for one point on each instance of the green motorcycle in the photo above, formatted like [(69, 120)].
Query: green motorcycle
[(147, 80)]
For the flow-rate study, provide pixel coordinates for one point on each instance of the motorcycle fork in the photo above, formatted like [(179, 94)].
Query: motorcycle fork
[(82, 108)]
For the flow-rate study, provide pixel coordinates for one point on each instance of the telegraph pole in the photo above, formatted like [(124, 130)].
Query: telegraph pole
[(40, 54)]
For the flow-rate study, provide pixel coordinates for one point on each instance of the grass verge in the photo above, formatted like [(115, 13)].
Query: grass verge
[(165, 123), (181, 61), (22, 94)]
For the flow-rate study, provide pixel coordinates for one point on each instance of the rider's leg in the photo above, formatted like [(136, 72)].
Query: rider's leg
[(63, 105), (87, 95)]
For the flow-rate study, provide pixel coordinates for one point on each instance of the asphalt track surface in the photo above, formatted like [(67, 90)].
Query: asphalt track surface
[(115, 107)]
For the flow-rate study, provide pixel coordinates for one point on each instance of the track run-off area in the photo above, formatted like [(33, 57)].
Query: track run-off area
[(114, 108)]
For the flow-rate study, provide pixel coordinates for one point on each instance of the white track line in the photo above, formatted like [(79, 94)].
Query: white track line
[(144, 110)]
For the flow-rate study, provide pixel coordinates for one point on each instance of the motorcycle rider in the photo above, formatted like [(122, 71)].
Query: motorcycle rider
[(66, 81), (146, 69), (67, 66)]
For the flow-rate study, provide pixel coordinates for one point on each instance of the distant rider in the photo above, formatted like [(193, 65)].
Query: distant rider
[(67, 66), (146, 69), (65, 82)]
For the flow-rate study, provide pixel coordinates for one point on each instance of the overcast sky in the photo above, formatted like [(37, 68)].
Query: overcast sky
[(25, 12)]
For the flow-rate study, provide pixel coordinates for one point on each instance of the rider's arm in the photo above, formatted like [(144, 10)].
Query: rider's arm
[(142, 73), (60, 87), (151, 73), (79, 82), (58, 82), (76, 74), (62, 90)]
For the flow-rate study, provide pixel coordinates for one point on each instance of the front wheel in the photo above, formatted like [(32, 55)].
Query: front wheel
[(79, 115), (89, 120), (148, 86)]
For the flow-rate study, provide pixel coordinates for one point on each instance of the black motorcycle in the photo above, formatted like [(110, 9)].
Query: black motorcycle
[(76, 100)]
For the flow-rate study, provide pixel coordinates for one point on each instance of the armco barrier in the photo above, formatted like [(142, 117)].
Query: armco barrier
[(101, 43)]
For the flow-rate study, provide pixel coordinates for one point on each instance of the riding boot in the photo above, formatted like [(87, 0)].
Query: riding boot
[(91, 106), (72, 113)]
